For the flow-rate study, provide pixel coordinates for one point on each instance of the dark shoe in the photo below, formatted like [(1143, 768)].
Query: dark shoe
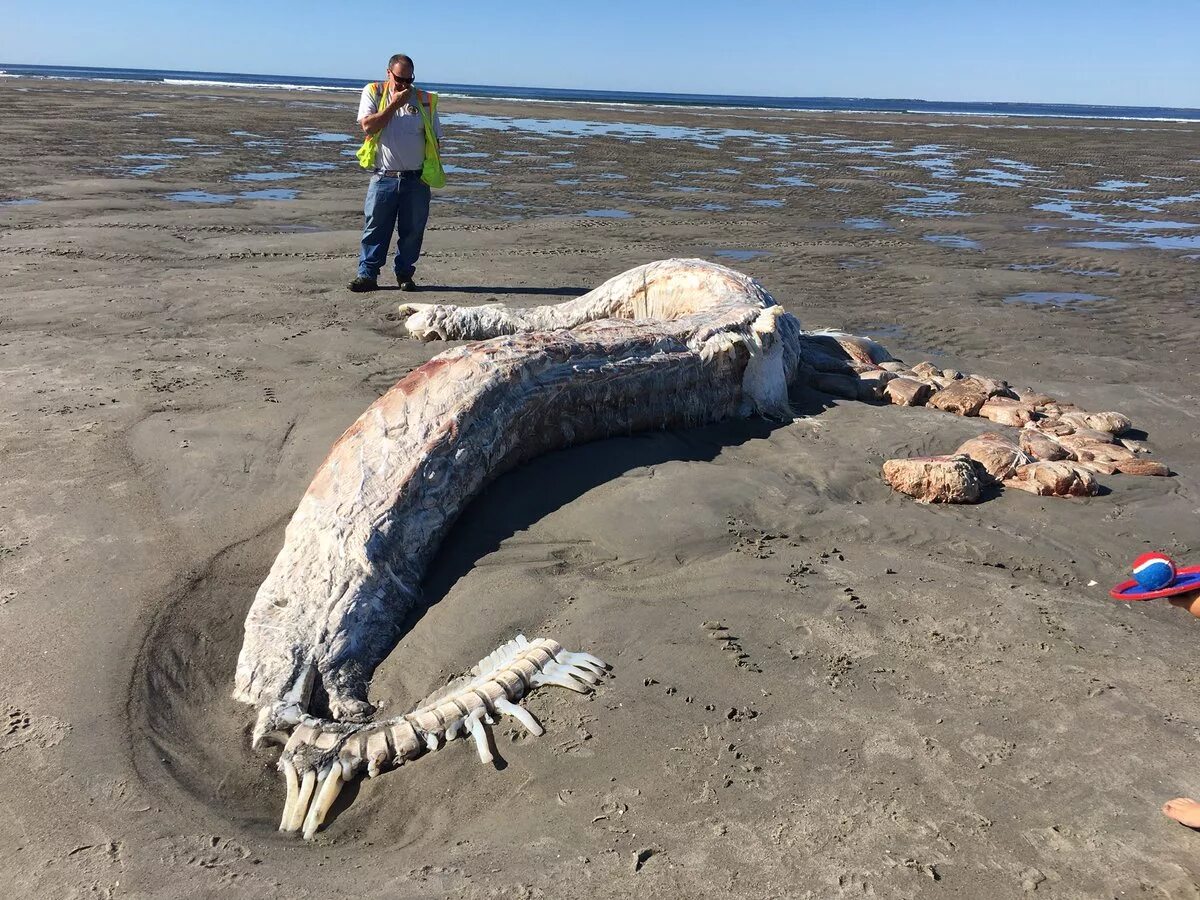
[(407, 284), (362, 284)]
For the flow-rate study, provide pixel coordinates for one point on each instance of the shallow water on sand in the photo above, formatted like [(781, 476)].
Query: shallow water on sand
[(956, 241), (1060, 299), (740, 255)]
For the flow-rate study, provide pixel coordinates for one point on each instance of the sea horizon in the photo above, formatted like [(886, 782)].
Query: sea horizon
[(912, 106)]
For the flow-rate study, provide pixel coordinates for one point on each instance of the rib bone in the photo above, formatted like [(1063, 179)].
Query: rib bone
[(329, 753)]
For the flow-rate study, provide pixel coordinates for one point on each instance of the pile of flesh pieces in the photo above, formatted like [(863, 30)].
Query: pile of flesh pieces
[(1057, 451)]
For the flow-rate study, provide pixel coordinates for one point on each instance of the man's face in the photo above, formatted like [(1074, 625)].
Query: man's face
[(402, 73)]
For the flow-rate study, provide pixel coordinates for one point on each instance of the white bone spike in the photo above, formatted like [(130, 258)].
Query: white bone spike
[(558, 670), (475, 724), (560, 678), (582, 659), (464, 706), (501, 656), (322, 777), (581, 672), (293, 790), (377, 752), (521, 714), (331, 785), (301, 805)]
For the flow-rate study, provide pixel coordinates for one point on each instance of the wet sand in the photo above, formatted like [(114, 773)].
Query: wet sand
[(907, 700)]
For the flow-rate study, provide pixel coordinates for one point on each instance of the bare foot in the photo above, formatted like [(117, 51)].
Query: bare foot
[(1184, 810), (1190, 602)]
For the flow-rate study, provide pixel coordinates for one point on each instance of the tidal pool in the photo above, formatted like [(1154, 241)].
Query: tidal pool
[(957, 241), (266, 176), (740, 255), (864, 223)]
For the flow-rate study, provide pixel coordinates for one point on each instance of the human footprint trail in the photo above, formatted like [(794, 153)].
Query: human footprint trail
[(671, 344)]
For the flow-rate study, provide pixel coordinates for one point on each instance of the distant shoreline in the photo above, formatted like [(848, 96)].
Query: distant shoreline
[(634, 98)]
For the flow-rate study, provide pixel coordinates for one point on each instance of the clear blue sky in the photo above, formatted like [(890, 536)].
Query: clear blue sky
[(1138, 52)]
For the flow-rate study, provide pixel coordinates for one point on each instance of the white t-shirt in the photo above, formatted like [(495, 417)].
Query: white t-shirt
[(402, 141)]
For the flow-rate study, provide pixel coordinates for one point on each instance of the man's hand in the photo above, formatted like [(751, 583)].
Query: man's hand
[(398, 94), (401, 93)]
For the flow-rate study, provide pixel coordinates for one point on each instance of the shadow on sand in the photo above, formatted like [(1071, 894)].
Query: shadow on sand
[(481, 289)]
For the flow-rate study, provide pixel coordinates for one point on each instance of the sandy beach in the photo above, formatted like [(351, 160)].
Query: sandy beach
[(908, 700)]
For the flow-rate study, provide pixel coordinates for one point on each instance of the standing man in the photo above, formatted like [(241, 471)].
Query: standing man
[(393, 115)]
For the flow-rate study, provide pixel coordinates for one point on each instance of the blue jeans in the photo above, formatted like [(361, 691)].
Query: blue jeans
[(403, 204)]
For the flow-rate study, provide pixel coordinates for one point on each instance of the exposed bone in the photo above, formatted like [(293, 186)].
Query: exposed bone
[(331, 785), (293, 793), (300, 807), (475, 724), (338, 752), (522, 715), (583, 660), (562, 679)]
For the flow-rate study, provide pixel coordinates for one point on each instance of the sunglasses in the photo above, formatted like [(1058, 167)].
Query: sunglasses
[(403, 80)]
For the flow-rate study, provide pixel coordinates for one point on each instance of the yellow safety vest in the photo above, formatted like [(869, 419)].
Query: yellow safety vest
[(432, 172)]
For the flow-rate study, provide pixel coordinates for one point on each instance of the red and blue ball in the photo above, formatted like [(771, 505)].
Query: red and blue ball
[(1153, 571)]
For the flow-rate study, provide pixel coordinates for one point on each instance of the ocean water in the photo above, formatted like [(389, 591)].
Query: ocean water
[(838, 104)]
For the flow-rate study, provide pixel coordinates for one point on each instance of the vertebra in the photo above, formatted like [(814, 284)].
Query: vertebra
[(321, 755)]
